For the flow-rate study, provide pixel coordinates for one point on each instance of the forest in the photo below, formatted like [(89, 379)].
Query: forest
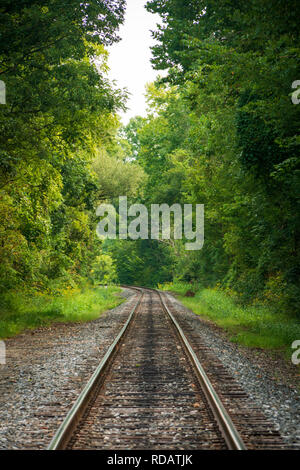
[(221, 130)]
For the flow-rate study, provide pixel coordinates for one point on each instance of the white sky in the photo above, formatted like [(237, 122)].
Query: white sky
[(129, 59)]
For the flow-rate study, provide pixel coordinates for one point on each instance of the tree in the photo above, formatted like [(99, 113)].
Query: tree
[(234, 63), (60, 107)]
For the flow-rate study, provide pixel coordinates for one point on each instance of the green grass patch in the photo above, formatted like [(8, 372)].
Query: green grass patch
[(252, 326), (20, 311)]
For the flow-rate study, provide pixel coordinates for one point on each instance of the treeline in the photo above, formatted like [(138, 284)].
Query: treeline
[(222, 130), (58, 129)]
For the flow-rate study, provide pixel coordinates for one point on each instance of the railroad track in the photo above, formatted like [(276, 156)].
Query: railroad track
[(150, 391)]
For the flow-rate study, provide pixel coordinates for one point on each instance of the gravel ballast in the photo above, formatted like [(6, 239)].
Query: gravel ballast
[(268, 380), (45, 371), (47, 368)]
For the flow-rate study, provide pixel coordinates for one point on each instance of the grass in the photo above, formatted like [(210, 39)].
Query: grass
[(252, 326), (20, 311)]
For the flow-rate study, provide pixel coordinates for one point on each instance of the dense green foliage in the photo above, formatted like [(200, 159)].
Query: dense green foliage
[(141, 262), (27, 311), (254, 326), (222, 130), (58, 118)]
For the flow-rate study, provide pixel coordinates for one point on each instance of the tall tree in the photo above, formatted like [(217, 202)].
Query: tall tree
[(59, 109)]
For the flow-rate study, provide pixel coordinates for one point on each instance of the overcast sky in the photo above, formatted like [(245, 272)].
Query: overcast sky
[(129, 59)]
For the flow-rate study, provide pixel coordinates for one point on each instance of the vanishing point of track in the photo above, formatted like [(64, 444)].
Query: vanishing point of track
[(149, 392)]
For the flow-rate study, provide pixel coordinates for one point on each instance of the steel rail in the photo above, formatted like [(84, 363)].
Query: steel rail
[(64, 432), (232, 437)]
